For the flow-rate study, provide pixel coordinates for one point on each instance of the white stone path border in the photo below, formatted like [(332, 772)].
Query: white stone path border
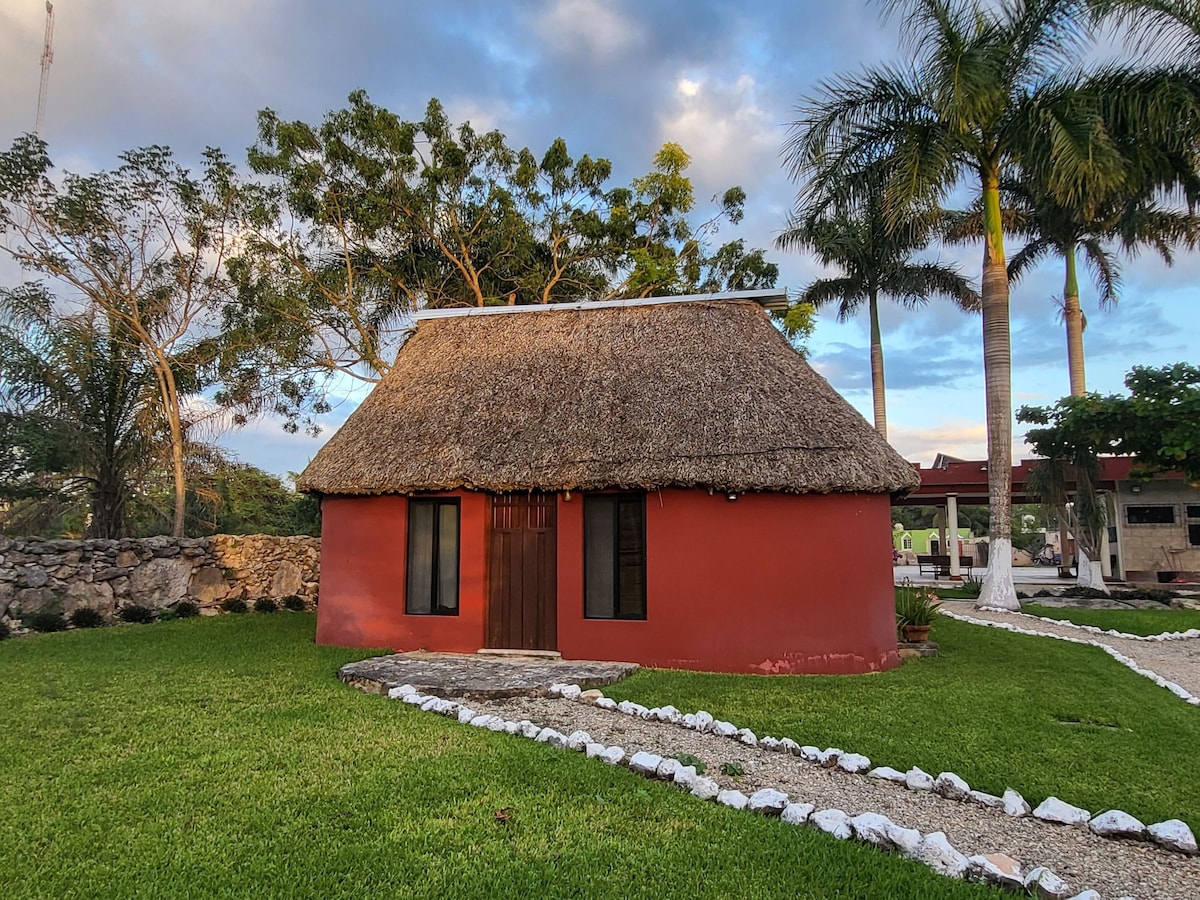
[(1179, 691), (1188, 635), (933, 849)]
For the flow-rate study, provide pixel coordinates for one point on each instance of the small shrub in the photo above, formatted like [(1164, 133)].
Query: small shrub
[(5, 631), (916, 606), (686, 759), (167, 615), (186, 609), (85, 617), (48, 620), (294, 603), (972, 587), (732, 769), (138, 615), (1044, 593), (1021, 595), (233, 605), (265, 605)]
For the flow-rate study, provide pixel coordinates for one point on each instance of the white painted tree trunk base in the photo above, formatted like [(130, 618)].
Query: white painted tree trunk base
[(1090, 573), (998, 591)]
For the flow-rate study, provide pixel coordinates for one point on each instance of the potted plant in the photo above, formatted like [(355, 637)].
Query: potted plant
[(915, 609)]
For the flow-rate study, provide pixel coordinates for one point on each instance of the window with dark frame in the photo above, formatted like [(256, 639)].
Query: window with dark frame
[(1193, 525), (432, 561), (1156, 514), (614, 556)]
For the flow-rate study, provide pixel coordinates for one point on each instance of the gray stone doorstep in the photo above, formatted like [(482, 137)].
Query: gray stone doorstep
[(466, 675)]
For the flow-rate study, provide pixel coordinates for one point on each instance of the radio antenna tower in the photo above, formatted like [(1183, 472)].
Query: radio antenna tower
[(47, 59)]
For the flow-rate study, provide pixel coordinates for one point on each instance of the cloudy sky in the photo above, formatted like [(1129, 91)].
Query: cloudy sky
[(615, 79)]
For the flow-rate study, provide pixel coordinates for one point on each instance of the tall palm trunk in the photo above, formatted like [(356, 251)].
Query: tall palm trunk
[(877, 382), (1073, 316), (998, 591)]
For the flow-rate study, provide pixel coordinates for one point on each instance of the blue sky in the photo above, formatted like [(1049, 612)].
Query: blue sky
[(615, 79)]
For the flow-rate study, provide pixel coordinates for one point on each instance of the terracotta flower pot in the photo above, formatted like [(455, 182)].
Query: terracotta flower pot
[(916, 634)]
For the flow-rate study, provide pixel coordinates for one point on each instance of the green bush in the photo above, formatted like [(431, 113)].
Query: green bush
[(48, 620), (233, 605), (138, 615), (916, 606), (294, 603), (265, 605), (972, 587), (85, 617), (687, 759), (186, 609)]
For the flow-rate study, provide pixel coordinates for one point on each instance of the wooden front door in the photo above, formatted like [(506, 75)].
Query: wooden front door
[(523, 573)]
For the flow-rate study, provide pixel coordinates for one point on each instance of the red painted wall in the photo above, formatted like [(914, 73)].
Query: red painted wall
[(363, 548), (768, 583)]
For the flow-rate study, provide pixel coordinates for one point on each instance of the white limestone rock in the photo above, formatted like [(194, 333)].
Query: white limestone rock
[(704, 788), (512, 727), (832, 821), (768, 743), (593, 749), (606, 703), (746, 736), (631, 709), (529, 729), (1086, 895), (887, 773), (796, 813), (939, 854), (1174, 835), (997, 869), (667, 768), (465, 714), (612, 755), (906, 840), (789, 746), (430, 703), (917, 780), (853, 763), (768, 802), (733, 799), (645, 763), (571, 691), (704, 721), (402, 691), (810, 753), (872, 828), (1044, 884), (689, 721), (648, 714), (543, 736), (1014, 804), (951, 787), (685, 776), (496, 724), (724, 729), (1054, 810), (556, 689), (577, 740), (414, 699), (1117, 823), (984, 799), (666, 713), (480, 721)]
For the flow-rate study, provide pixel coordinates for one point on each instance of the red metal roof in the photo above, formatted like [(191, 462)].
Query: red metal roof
[(969, 480)]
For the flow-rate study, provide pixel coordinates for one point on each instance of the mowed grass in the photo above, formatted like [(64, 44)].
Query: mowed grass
[(1001, 710), (1129, 621), (221, 758)]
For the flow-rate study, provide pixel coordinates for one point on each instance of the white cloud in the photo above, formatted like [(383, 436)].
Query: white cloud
[(591, 27)]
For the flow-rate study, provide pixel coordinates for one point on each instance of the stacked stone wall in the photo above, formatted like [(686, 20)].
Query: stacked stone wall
[(157, 572)]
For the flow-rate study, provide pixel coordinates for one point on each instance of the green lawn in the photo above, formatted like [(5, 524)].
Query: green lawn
[(1045, 717), (220, 757), (1130, 621)]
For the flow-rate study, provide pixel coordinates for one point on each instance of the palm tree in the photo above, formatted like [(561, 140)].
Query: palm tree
[(875, 260), (986, 82)]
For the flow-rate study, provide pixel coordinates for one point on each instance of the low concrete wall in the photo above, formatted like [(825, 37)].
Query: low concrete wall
[(156, 572)]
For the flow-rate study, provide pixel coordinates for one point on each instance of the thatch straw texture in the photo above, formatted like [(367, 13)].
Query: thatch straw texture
[(705, 394)]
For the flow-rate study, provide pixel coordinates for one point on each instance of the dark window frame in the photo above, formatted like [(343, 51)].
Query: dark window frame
[(1191, 521), (1130, 507), (615, 614), (436, 606)]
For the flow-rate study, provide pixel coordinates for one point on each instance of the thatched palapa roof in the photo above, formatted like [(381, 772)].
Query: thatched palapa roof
[(703, 393)]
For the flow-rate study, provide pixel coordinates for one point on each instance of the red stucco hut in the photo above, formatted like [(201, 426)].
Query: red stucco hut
[(662, 481)]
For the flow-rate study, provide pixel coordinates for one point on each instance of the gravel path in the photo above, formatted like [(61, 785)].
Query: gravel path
[(1177, 661), (1115, 868)]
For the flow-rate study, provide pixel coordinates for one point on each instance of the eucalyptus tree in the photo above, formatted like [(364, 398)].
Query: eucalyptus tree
[(986, 81), (874, 257)]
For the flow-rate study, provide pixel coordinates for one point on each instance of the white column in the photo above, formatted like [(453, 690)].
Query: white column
[(952, 534)]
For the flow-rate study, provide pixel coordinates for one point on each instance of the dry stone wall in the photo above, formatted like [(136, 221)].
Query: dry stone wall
[(157, 572)]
